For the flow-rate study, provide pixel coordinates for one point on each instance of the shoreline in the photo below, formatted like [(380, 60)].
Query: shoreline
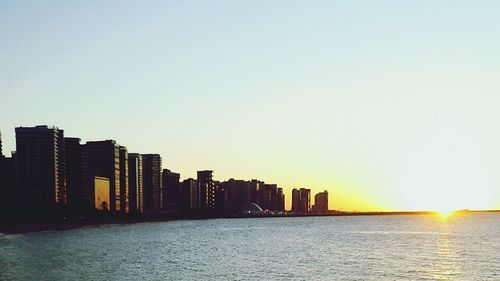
[(69, 224)]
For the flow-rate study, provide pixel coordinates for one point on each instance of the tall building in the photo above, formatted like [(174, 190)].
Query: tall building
[(221, 198), (103, 159), (151, 182), (295, 200), (77, 181), (124, 188), (268, 196), (207, 190), (305, 201), (8, 190), (254, 191), (170, 190), (321, 203), (301, 201), (281, 200), (41, 166), (135, 183), (191, 196)]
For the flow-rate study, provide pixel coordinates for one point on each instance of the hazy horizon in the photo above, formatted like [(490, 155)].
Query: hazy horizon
[(387, 105)]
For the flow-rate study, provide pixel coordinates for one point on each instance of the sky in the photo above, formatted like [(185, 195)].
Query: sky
[(388, 105)]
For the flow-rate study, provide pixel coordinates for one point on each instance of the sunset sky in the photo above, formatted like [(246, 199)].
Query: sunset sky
[(389, 105)]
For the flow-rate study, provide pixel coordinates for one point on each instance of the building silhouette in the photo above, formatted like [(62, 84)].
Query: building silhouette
[(170, 191), (305, 201), (301, 201), (321, 203), (255, 191), (135, 183), (124, 189), (281, 200), (103, 158), (41, 167), (207, 191), (295, 200), (191, 196), (268, 196), (8, 185), (77, 178), (151, 171)]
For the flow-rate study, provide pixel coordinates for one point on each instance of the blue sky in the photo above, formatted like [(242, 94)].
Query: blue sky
[(384, 103)]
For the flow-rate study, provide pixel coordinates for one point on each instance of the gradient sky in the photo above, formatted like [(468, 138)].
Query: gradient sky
[(389, 105)]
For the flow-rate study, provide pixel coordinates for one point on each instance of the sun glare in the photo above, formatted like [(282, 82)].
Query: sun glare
[(444, 214)]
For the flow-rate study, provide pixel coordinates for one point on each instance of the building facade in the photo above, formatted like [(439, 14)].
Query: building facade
[(151, 172), (77, 181), (207, 191), (135, 183), (321, 203), (41, 166), (191, 196), (103, 158), (124, 188), (170, 191)]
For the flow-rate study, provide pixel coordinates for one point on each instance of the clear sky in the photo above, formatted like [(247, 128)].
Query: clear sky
[(391, 105)]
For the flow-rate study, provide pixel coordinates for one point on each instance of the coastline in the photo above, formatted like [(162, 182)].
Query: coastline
[(69, 224)]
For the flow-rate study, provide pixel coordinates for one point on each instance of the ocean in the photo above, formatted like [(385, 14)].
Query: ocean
[(407, 247)]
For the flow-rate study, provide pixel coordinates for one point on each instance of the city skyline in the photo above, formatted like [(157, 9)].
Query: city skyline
[(386, 108), (77, 164)]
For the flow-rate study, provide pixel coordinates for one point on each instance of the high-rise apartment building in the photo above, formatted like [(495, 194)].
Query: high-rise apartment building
[(281, 200), (207, 191), (301, 200), (191, 196), (321, 203), (77, 181), (103, 158), (305, 201), (135, 183), (151, 172), (170, 190), (124, 188), (41, 166)]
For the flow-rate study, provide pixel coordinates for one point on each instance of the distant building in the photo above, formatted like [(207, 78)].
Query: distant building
[(41, 166), (268, 196), (135, 183), (191, 196), (295, 200), (238, 193), (103, 158), (124, 188), (151, 182), (321, 203), (254, 191), (8, 185), (281, 200), (305, 201), (301, 201), (170, 190), (222, 198), (77, 181), (101, 186), (207, 191)]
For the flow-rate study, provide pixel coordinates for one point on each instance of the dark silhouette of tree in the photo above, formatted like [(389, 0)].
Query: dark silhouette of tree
[(104, 206)]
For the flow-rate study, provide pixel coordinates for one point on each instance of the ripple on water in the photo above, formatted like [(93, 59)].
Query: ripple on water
[(322, 248)]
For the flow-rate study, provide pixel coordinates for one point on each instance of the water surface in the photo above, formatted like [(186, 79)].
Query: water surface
[(463, 247)]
